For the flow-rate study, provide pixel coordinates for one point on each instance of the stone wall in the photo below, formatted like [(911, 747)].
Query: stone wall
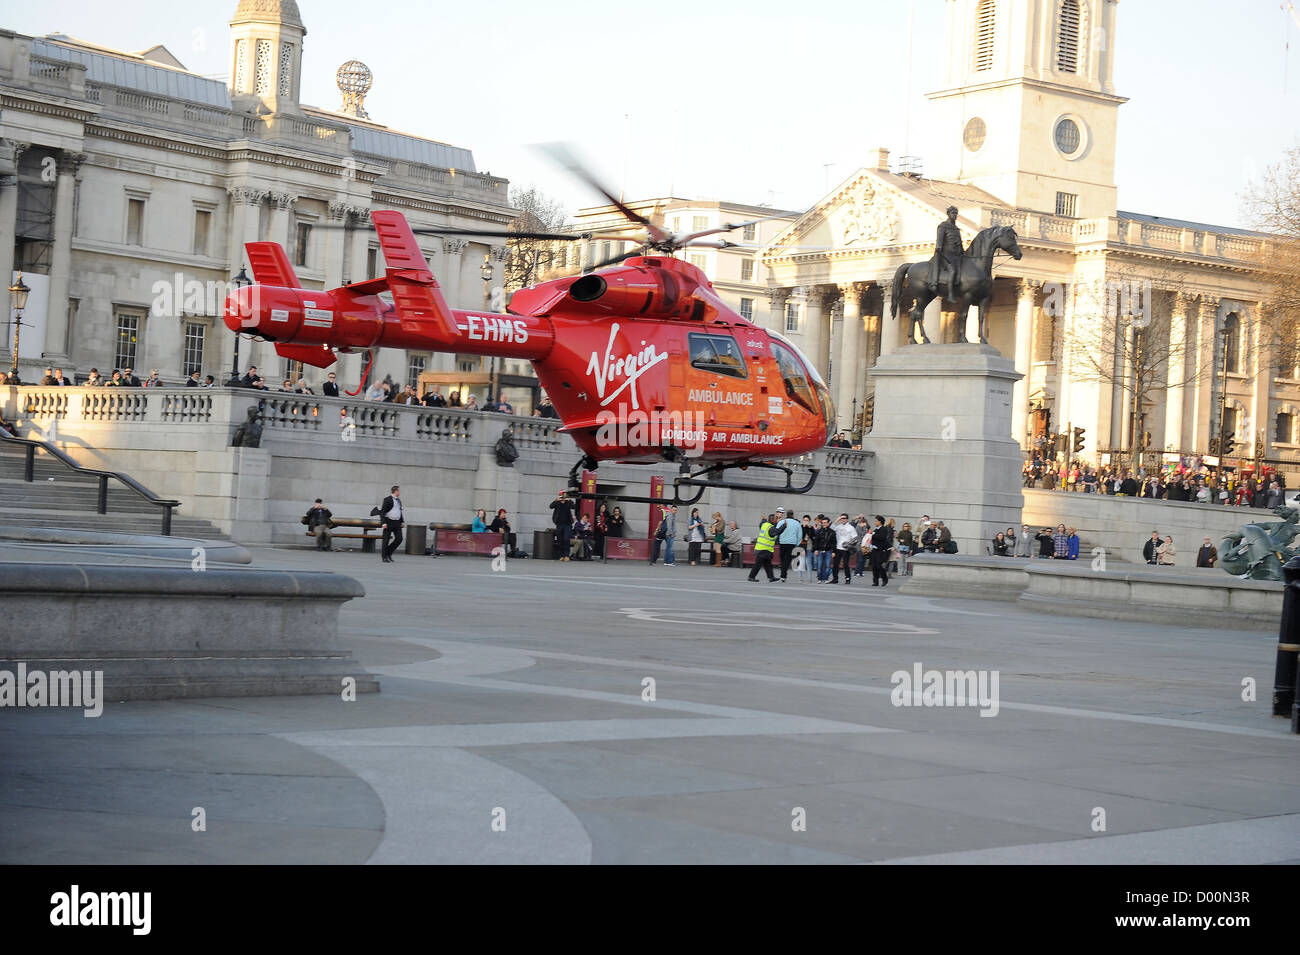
[(1122, 525), (176, 442)]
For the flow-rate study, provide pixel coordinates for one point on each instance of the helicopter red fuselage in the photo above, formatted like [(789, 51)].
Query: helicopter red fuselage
[(643, 361)]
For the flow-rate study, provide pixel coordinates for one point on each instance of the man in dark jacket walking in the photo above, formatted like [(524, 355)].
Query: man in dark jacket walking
[(562, 515), (390, 512), (880, 546)]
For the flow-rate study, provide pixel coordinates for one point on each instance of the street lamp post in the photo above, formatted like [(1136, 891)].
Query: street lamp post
[(18, 300), (239, 281), (486, 272)]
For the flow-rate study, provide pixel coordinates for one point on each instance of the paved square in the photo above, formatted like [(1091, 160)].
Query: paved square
[(515, 725)]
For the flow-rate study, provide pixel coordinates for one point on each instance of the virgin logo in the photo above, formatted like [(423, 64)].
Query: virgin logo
[(629, 367)]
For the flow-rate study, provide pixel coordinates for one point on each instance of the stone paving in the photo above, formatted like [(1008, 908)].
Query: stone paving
[(515, 725)]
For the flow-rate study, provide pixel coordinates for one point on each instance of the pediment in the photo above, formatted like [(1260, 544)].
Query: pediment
[(869, 211)]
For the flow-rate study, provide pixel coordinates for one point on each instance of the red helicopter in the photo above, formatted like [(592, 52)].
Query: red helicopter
[(642, 359)]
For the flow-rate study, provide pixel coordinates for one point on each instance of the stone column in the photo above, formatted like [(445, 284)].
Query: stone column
[(9, 210), (336, 242), (1177, 371), (360, 236), (245, 213), (451, 273), (56, 316), (849, 358), (1207, 403), (776, 299), (893, 329), (1024, 358), (815, 335)]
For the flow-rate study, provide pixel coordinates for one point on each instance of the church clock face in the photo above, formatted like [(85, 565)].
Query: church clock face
[(974, 134)]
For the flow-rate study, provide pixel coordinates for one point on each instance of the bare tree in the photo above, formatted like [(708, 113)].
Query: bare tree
[(1273, 205), (1125, 335), (526, 257)]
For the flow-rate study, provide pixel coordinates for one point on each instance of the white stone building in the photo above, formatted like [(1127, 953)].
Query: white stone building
[(129, 185), (1028, 109)]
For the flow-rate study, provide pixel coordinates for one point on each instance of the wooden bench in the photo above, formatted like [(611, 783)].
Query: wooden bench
[(362, 526)]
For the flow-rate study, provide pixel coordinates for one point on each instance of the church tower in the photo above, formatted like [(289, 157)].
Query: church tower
[(266, 51), (1028, 109)]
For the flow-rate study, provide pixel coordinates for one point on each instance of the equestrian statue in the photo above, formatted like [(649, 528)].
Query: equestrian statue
[(1258, 550), (962, 278)]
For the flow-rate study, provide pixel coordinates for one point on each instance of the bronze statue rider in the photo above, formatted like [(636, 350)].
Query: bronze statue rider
[(947, 248)]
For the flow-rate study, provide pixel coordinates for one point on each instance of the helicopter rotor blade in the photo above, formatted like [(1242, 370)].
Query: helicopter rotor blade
[(725, 227), (614, 260), (565, 157)]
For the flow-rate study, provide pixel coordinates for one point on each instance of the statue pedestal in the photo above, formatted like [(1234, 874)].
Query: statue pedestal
[(942, 441)]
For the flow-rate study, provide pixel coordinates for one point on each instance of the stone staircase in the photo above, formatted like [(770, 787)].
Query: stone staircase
[(62, 498)]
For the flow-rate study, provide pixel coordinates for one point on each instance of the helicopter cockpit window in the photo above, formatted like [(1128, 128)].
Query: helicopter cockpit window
[(717, 354), (797, 386)]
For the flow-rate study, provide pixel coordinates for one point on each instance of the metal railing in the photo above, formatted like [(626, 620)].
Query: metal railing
[(30, 446)]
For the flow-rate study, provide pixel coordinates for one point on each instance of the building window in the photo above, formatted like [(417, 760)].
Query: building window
[(135, 222), (1285, 428), (747, 309), (751, 230), (372, 262), (1068, 137), (1066, 203), (698, 261), (193, 358), (699, 222), (677, 224), (1232, 343), (202, 230), (561, 258), (791, 317), (292, 371), (262, 71), (985, 19), (414, 369), (1231, 418), (747, 270), (1067, 37), (302, 247), (128, 335)]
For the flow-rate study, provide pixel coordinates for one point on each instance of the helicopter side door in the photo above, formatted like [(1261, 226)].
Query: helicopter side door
[(719, 387)]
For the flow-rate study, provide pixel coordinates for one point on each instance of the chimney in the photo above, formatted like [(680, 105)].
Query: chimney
[(882, 159)]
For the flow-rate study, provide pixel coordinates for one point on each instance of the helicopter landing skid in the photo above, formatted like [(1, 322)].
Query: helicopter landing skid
[(714, 474)]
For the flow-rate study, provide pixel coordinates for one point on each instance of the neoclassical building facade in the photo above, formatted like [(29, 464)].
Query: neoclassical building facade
[(1028, 112), (129, 185)]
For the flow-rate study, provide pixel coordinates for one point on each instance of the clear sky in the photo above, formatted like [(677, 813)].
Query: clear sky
[(755, 101)]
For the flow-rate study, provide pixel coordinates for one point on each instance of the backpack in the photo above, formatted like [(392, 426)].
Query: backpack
[(950, 547)]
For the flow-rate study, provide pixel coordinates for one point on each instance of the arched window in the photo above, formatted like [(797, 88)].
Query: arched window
[(985, 20), (1232, 343), (1067, 37), (1285, 428)]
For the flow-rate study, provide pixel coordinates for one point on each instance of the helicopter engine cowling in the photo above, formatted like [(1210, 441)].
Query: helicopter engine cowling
[(647, 288)]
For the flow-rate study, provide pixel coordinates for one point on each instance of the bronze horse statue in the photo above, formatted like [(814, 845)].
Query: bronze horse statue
[(974, 286)]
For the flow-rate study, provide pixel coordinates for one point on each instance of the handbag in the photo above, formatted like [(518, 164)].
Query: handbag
[(662, 532)]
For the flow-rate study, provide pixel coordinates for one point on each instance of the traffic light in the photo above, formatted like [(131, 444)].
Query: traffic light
[(1078, 440), (1146, 439), (1228, 444), (868, 413), (1214, 444)]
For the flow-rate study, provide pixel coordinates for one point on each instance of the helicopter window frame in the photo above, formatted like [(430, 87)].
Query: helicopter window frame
[(800, 387), (724, 356)]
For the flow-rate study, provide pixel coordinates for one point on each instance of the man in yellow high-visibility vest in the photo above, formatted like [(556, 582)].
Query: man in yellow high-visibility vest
[(764, 547)]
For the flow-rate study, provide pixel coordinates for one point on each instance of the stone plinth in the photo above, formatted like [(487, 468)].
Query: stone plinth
[(1204, 597), (942, 440), (163, 633)]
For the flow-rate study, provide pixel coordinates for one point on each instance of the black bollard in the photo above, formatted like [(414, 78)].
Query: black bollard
[(1288, 642)]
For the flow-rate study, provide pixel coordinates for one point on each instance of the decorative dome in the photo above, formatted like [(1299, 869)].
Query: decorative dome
[(268, 11), (354, 79)]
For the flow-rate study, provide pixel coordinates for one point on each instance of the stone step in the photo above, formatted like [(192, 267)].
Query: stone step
[(109, 523)]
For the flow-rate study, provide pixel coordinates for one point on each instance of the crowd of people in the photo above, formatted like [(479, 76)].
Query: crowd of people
[(1202, 485), (383, 391)]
